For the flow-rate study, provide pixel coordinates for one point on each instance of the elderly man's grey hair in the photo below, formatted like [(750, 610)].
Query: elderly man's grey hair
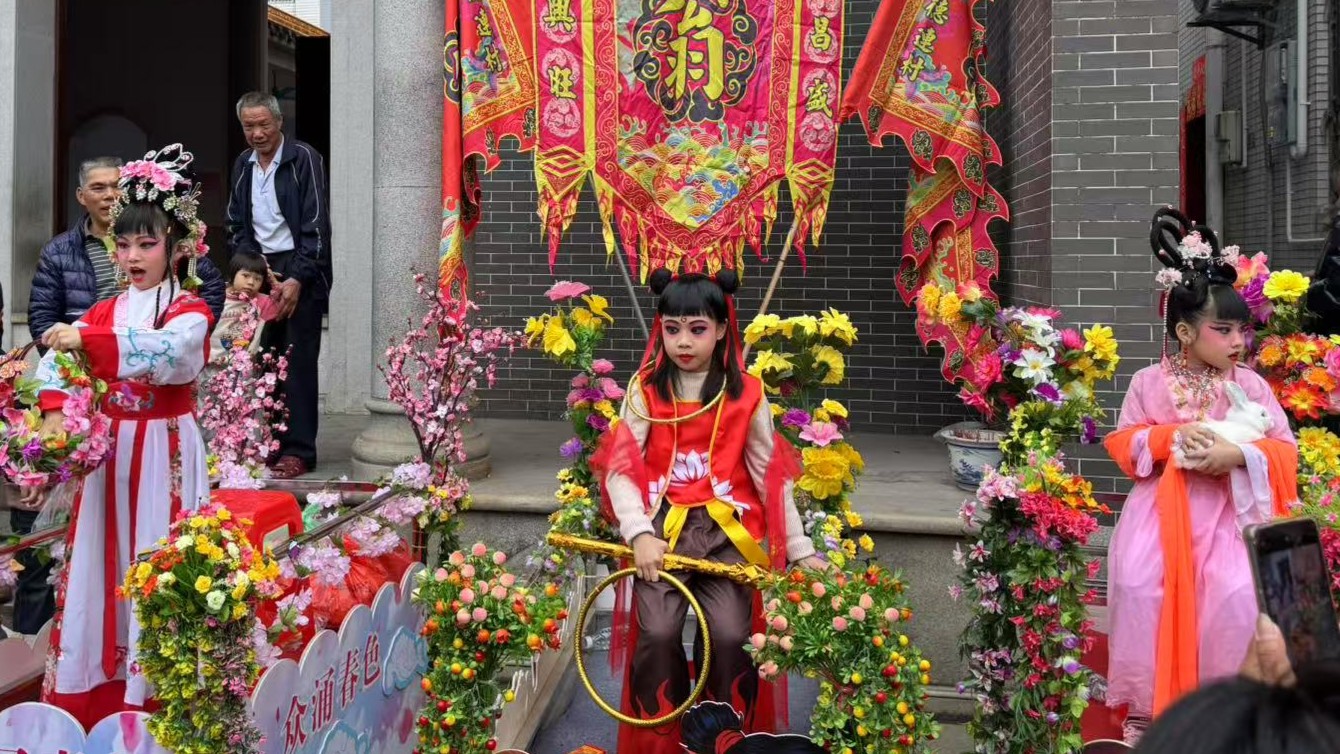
[(97, 163), (259, 99)]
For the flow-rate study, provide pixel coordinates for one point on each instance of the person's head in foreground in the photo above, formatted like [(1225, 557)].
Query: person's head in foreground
[(1271, 709)]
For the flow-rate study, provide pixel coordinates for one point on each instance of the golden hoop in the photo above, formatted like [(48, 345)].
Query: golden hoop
[(636, 382), (698, 687)]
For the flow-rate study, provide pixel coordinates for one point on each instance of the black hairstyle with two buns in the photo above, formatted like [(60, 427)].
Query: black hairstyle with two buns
[(1206, 288), (697, 295)]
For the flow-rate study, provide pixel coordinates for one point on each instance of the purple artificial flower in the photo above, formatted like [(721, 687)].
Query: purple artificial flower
[(1089, 431), (592, 394), (598, 422), (1048, 392), (571, 449), (795, 418), (33, 450), (1053, 718), (1070, 642), (1071, 667), (1254, 295)]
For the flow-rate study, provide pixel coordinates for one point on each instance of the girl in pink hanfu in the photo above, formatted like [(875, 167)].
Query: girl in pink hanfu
[(149, 344), (1182, 605)]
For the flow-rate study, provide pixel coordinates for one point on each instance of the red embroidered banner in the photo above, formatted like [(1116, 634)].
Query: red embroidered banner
[(488, 93), (688, 114), (919, 77)]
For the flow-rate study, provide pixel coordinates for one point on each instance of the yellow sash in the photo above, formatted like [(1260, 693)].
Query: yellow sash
[(724, 514)]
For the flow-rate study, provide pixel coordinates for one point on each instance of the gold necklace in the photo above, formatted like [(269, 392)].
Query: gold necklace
[(636, 383)]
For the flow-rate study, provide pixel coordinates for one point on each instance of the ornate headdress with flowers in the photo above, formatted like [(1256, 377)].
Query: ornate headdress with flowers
[(164, 178), (1190, 253)]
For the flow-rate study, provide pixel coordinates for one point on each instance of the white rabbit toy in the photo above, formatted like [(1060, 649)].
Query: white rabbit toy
[(1245, 422)]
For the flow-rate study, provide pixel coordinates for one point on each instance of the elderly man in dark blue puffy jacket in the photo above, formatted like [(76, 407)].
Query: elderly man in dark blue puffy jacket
[(75, 272)]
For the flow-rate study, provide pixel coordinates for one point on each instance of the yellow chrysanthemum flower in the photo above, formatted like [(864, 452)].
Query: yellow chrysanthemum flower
[(928, 301), (1286, 286), (849, 548), (755, 371), (867, 543), (581, 318), (950, 308), (776, 409), (604, 408), (557, 340), (852, 455), (827, 471), (1101, 344), (834, 408), (598, 306), (203, 583), (833, 323), (762, 327), (773, 361), (854, 519), (832, 358), (239, 611), (806, 323)]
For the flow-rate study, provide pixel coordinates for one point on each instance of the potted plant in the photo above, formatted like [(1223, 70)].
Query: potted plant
[(1014, 355)]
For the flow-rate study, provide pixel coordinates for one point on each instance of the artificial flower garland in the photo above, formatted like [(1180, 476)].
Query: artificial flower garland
[(196, 598), (480, 619)]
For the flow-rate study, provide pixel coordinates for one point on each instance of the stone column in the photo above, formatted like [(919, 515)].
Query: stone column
[(386, 65), (27, 149)]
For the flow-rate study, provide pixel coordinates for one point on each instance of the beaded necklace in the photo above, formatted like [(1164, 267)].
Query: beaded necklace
[(1195, 391)]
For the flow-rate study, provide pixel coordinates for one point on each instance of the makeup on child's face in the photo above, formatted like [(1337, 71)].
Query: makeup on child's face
[(689, 341), (1219, 343), (246, 281), (143, 257)]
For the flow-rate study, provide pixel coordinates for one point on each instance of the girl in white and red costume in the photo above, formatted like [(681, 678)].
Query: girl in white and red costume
[(149, 344)]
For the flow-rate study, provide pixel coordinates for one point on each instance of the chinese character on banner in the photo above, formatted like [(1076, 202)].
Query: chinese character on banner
[(349, 686), (323, 701), (372, 660), (722, 101), (488, 92), (295, 736), (919, 77)]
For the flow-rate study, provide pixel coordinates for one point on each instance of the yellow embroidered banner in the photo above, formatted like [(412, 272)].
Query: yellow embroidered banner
[(687, 115)]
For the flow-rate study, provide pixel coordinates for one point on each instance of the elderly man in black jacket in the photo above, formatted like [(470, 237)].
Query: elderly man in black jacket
[(279, 208), (76, 271)]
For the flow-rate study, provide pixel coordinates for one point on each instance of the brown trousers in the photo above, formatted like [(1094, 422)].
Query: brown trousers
[(658, 678)]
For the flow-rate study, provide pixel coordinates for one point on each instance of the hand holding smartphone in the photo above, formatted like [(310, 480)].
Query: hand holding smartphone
[(1293, 587)]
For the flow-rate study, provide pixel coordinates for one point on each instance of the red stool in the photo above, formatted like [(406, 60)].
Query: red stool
[(275, 516)]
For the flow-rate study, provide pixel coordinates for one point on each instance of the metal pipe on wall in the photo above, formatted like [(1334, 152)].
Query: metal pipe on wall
[(1299, 148), (1216, 41)]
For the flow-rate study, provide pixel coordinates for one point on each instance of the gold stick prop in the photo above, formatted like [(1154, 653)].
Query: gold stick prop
[(740, 573), (743, 573)]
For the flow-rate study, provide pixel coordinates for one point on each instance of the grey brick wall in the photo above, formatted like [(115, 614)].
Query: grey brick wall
[(1019, 52), (894, 385), (1114, 159), (1256, 197)]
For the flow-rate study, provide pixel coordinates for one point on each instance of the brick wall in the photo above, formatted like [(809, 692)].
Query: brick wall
[(1115, 158), (894, 385), (1256, 197), (1019, 50)]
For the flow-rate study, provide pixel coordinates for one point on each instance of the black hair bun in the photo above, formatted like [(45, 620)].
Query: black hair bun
[(1166, 232), (1221, 273), (729, 281), (659, 280)]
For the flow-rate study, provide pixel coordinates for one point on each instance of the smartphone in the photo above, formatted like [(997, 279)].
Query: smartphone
[(1294, 588)]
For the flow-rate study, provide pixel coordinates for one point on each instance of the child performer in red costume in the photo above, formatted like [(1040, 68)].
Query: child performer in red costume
[(149, 344), (695, 468)]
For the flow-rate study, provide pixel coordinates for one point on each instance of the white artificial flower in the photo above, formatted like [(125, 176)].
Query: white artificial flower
[(1034, 366), (214, 600)]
